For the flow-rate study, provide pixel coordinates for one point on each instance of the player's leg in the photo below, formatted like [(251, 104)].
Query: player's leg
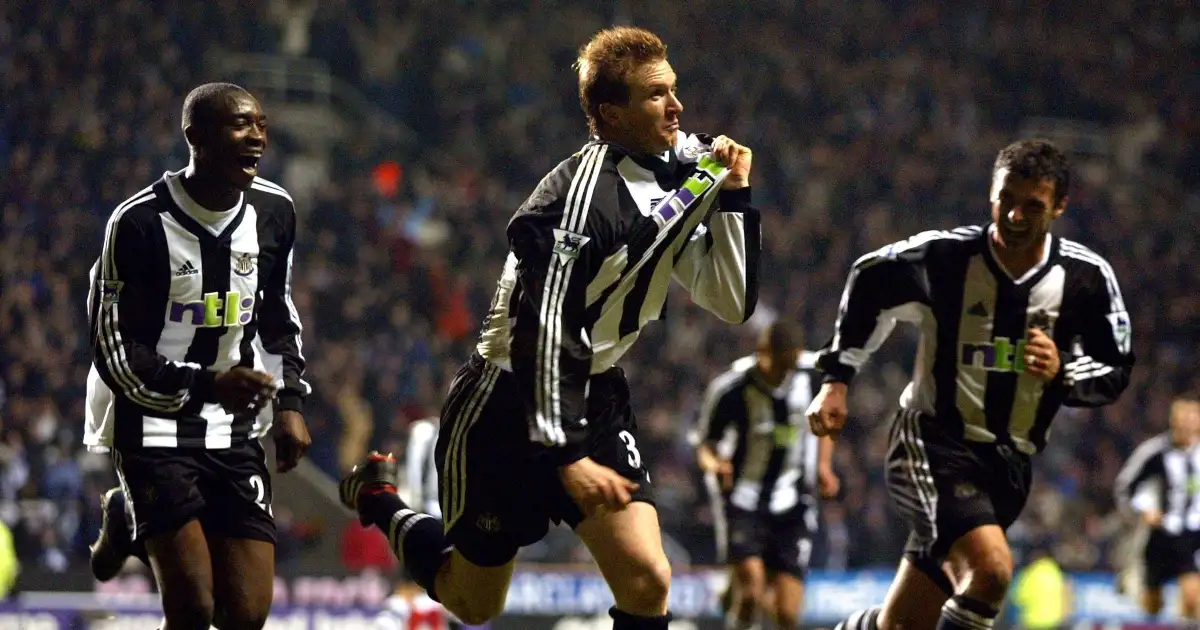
[(1152, 601), (474, 590), (786, 555), (1157, 565), (115, 542), (1185, 565), (243, 582), (982, 565), (1189, 596), (748, 589), (920, 588), (982, 502), (627, 546), (742, 550), (787, 605), (626, 543), (482, 489), (164, 501), (240, 527)]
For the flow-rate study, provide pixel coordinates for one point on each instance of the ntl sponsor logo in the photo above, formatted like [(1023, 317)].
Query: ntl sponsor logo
[(1001, 355), (214, 311)]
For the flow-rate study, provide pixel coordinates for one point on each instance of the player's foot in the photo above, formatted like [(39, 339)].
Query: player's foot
[(115, 543), (376, 474)]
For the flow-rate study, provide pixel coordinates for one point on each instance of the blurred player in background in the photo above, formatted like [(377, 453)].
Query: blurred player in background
[(538, 425), (998, 306), (421, 473), (1160, 484), (764, 469), (196, 355)]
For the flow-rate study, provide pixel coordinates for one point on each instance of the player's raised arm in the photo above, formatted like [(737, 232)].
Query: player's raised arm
[(1101, 373), (124, 329), (887, 286), (720, 265), (279, 322), (550, 356)]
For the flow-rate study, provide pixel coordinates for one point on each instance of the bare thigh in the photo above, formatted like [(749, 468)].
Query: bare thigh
[(627, 546)]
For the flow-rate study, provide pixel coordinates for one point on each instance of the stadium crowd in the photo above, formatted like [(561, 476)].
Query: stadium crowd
[(868, 124)]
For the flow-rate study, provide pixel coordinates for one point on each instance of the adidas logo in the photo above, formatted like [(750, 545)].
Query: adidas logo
[(186, 269), (978, 310)]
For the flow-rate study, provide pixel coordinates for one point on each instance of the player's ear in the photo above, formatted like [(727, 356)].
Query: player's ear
[(193, 136), (1062, 207), (610, 115), (198, 137)]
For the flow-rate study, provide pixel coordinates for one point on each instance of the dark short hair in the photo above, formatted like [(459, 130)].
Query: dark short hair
[(782, 336), (203, 104), (1037, 159), (605, 63), (1187, 397)]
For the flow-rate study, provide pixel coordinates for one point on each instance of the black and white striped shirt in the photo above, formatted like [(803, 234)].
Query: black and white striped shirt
[(178, 294), (973, 317), (764, 433), (593, 252), (1161, 475)]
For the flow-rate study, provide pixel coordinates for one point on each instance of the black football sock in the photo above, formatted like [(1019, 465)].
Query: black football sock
[(861, 620), (964, 613), (418, 540), (625, 621)]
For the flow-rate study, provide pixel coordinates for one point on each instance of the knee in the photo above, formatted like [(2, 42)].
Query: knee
[(242, 615), (1152, 602), (474, 611), (193, 612), (787, 618), (990, 579), (750, 595), (644, 591)]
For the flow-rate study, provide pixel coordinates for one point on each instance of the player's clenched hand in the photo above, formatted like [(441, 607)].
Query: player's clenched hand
[(736, 158), (827, 413), (711, 463), (1153, 518), (828, 483), (291, 440), (241, 390), (1041, 355), (593, 485)]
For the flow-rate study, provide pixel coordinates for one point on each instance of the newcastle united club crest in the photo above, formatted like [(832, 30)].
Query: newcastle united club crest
[(243, 263)]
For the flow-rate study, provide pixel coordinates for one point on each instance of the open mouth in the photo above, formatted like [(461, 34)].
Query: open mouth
[(249, 163)]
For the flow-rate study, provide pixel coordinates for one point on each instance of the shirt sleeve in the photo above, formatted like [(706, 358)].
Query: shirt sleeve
[(1101, 373), (279, 325), (719, 266), (124, 321), (885, 287), (1144, 464), (717, 411)]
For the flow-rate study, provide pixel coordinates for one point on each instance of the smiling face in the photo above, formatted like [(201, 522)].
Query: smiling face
[(649, 121), (1023, 209), (229, 143)]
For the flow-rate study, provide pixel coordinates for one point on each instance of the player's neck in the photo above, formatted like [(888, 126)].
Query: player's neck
[(1017, 262), (629, 144), (769, 379), (208, 191)]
